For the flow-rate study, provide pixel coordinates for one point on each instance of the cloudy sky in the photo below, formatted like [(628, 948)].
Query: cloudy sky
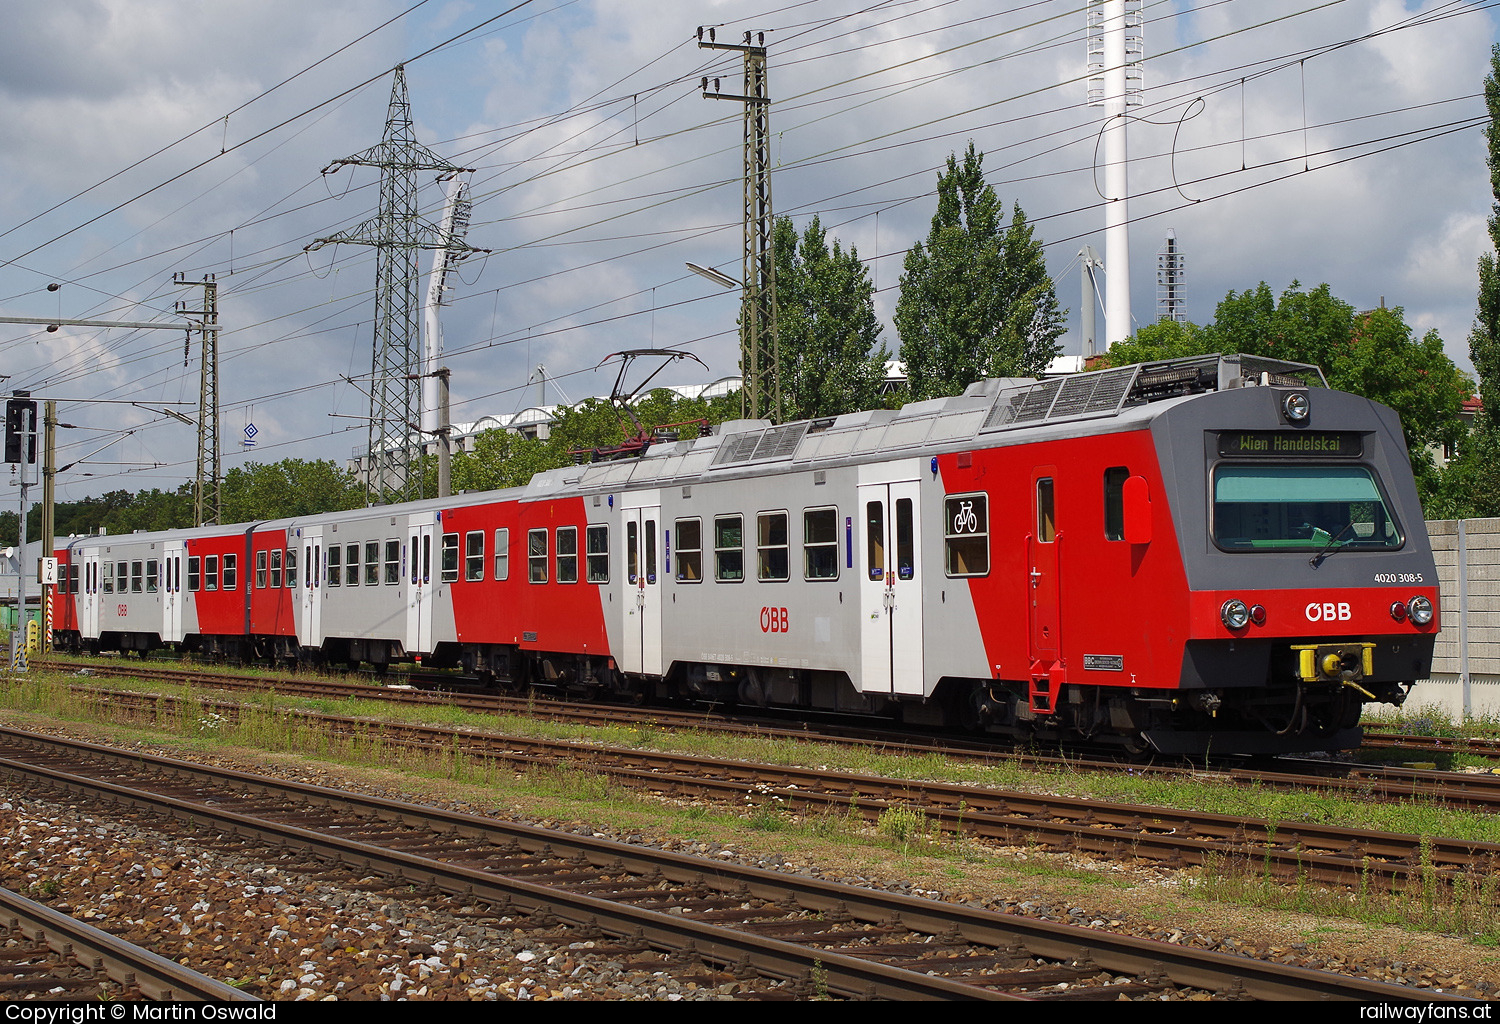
[(1279, 140)]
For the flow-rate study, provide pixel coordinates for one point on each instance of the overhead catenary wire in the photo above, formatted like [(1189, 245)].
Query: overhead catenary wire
[(269, 268)]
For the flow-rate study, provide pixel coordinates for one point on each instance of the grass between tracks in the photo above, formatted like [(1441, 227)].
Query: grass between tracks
[(904, 841)]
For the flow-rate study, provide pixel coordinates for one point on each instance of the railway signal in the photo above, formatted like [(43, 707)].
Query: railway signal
[(20, 429)]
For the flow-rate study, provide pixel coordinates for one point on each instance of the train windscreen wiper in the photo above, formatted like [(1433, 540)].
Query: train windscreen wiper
[(1333, 541)]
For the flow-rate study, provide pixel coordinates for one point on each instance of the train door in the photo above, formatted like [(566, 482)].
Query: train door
[(88, 596), (422, 593), (644, 565), (310, 593), (890, 588), (1042, 544), (173, 593)]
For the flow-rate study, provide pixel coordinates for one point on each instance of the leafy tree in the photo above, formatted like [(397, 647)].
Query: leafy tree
[(503, 459), (500, 458), (291, 487), (1484, 339), (832, 359), (1165, 339), (1471, 483), (1372, 354), (976, 300)]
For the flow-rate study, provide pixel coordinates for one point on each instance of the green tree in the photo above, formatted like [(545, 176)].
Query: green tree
[(832, 359), (1165, 339), (1484, 339), (500, 458), (1372, 354), (291, 487), (976, 300), (1471, 483)]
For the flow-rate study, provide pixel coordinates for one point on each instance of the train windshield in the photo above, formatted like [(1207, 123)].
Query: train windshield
[(1301, 508)]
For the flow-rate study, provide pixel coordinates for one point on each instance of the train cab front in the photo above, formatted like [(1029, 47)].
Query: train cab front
[(1315, 591)]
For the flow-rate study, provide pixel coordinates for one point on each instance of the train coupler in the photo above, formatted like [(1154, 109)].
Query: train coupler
[(1335, 662)]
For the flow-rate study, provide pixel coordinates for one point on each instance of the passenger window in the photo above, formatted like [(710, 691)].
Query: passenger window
[(135, 578), (335, 565), (474, 555), (260, 570), (690, 551), (109, 577), (351, 565), (771, 546), (966, 535), (276, 569), (195, 572), (372, 563), (231, 572), (820, 543), (536, 555), (211, 572), (1114, 502), (151, 575), (393, 561), (729, 549), (449, 567), (598, 554), (567, 554), (291, 568)]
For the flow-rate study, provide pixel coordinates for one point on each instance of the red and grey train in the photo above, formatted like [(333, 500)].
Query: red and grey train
[(1212, 554)]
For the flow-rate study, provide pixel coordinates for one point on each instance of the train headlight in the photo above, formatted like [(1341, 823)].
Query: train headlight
[(1420, 610), (1234, 613), (1296, 407)]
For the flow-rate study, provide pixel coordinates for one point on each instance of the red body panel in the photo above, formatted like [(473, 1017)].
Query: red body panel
[(221, 611), (271, 607), (65, 611), (1117, 588), (551, 616)]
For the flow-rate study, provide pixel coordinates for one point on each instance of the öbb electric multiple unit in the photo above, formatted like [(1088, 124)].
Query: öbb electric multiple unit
[(1204, 554)]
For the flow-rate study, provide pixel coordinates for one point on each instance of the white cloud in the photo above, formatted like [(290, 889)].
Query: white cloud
[(602, 170)]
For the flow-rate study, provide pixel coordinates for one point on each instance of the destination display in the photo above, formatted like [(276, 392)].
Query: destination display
[(1290, 444)]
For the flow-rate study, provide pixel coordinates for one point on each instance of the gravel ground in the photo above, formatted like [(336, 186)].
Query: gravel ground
[(287, 934)]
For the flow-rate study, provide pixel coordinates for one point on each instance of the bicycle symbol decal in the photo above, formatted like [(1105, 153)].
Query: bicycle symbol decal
[(965, 520)]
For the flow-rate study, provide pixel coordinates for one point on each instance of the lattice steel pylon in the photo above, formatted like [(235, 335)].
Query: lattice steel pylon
[(208, 484), (760, 351), (398, 232)]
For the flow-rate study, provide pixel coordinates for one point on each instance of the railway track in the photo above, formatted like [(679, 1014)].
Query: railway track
[(820, 936), (1480, 792), (50, 955), (1089, 827)]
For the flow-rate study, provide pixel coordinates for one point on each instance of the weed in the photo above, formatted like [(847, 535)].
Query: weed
[(902, 825)]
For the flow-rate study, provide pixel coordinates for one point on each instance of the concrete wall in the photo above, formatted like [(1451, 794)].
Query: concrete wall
[(1466, 664)]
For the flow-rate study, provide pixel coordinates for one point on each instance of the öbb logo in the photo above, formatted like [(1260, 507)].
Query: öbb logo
[(773, 620), (1328, 611)]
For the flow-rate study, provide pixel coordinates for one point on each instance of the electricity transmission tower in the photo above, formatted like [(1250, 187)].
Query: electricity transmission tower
[(208, 485), (760, 352), (397, 233)]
